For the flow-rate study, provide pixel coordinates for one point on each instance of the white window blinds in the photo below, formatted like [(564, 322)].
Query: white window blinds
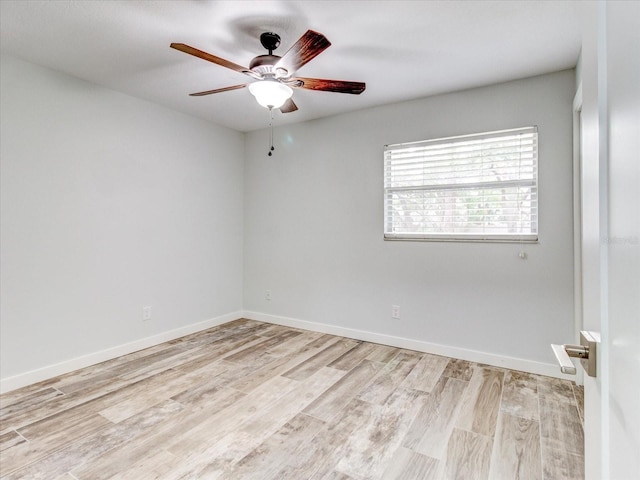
[(472, 187)]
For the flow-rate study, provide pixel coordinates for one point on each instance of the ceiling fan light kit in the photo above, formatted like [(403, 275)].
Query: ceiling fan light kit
[(270, 93)]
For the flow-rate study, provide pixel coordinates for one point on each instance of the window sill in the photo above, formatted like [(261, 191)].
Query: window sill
[(469, 239)]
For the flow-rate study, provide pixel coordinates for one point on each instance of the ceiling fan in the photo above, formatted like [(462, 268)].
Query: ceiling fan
[(274, 75)]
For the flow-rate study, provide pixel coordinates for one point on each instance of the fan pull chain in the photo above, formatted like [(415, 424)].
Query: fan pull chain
[(271, 147)]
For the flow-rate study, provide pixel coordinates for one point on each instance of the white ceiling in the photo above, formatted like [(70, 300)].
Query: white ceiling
[(402, 49)]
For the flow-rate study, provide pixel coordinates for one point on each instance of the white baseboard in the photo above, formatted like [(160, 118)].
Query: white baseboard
[(50, 371), (539, 368)]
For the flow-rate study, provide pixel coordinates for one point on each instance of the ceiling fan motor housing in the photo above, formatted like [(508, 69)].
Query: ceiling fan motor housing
[(264, 65)]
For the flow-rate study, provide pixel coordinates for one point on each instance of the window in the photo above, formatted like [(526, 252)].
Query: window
[(481, 187)]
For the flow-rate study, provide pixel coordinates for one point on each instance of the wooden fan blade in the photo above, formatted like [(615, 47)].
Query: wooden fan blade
[(309, 46), (340, 86), (217, 90), (213, 59), (288, 106)]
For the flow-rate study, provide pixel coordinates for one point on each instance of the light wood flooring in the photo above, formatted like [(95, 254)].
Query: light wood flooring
[(250, 400)]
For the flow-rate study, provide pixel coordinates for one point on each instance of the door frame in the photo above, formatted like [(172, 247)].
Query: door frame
[(577, 223)]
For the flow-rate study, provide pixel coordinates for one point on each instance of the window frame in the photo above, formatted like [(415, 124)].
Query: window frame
[(533, 183)]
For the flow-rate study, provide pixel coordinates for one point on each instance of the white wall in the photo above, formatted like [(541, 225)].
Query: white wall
[(109, 203), (313, 228)]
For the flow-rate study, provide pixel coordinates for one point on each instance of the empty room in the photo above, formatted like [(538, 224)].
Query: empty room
[(348, 240)]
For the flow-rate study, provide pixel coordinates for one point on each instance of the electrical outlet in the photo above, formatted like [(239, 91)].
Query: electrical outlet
[(267, 295), (395, 311), (146, 314)]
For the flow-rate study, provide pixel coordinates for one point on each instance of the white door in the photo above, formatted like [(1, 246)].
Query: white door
[(623, 333), (611, 238)]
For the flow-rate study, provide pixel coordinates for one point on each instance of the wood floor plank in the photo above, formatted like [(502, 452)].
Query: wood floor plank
[(426, 373), (409, 465), (331, 402), (353, 357), (154, 393), (468, 456), (337, 476), (43, 441), (560, 426), (459, 369), (371, 448), (65, 460), (224, 421), (265, 461), (294, 345), (28, 402), (17, 395), (218, 352), (88, 377), (151, 467), (326, 448), (89, 400), (257, 377), (257, 353), (160, 362), (266, 422), (481, 402), (382, 353), (559, 464), (520, 395), (86, 402), (124, 462), (274, 330), (320, 359), (102, 374), (209, 386), (10, 439), (100, 383), (555, 389), (119, 458), (324, 341), (66, 419), (222, 333), (388, 379), (516, 451), (236, 443), (215, 468), (434, 422)]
